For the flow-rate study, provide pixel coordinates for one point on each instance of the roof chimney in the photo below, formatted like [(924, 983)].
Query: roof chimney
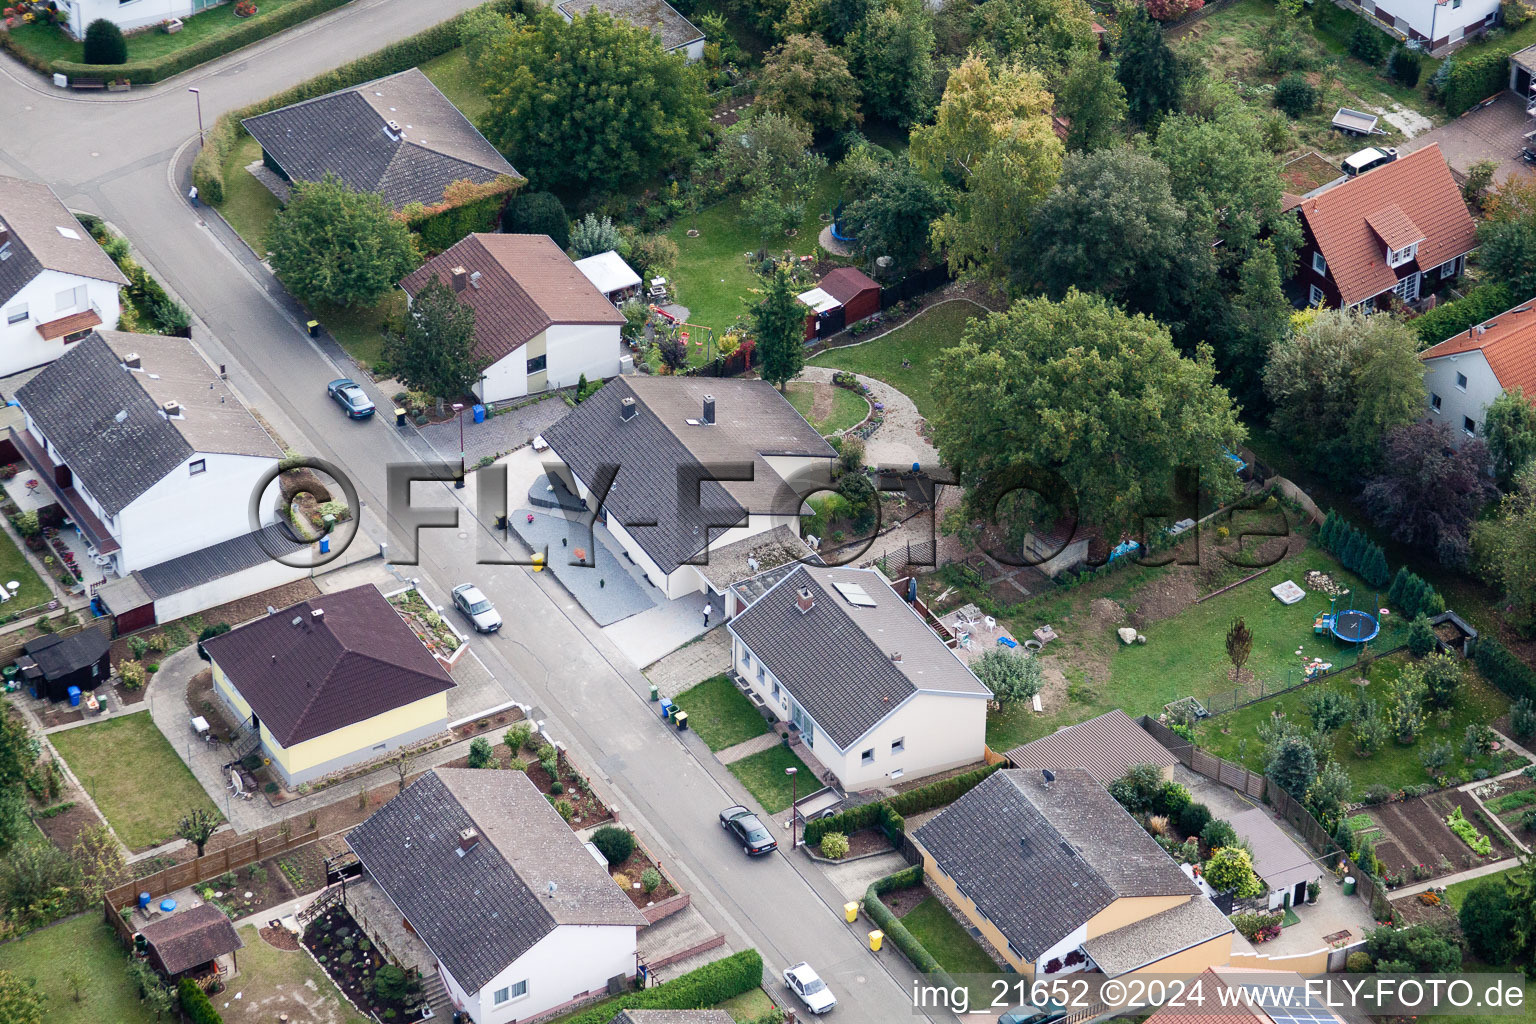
[(709, 410), (132, 361), (318, 613), (627, 410), (171, 408), (896, 657), (460, 275), (804, 601), (468, 840)]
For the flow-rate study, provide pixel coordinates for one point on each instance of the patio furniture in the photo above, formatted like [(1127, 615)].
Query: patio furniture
[(200, 726), (990, 623), (32, 486)]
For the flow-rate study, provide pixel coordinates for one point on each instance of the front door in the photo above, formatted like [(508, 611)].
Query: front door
[(803, 722), (1408, 288)]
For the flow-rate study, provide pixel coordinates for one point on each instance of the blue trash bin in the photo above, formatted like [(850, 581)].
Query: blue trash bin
[(325, 545), (479, 412), (144, 899), (666, 708), (74, 696)]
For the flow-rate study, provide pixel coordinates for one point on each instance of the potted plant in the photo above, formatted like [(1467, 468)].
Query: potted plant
[(245, 8), (1312, 890), (172, 25)]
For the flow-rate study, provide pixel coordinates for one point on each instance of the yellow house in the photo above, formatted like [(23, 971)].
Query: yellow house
[(1058, 878), (330, 682)]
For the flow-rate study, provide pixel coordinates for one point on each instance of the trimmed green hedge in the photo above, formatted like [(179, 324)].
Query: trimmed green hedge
[(894, 930), (889, 815), (1481, 303), (196, 1004), (1501, 668), (157, 69), (698, 989), (1476, 77)]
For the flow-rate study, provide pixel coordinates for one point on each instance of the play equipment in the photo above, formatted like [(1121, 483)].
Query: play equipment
[(658, 311), (1353, 626)]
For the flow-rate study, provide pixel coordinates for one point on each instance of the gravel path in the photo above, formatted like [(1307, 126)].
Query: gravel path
[(897, 442)]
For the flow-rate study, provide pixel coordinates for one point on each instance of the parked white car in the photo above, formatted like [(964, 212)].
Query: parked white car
[(804, 982)]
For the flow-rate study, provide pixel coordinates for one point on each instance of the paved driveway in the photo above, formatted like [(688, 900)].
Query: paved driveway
[(1494, 132)]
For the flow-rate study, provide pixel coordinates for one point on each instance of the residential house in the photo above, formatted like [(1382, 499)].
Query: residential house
[(56, 283), (1106, 747), (610, 275), (1241, 995), (1398, 230), (189, 943), (845, 296), (519, 916), (684, 467), (128, 14), (675, 32), (1434, 23), (1057, 878), (330, 682), (1283, 867), (1467, 371), (144, 447), (869, 688), (540, 324), (397, 136)]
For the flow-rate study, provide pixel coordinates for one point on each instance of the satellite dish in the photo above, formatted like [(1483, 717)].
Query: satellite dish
[(1048, 775)]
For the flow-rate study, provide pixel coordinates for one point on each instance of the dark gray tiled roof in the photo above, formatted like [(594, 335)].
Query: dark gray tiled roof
[(60, 655), (347, 134), (836, 658), (18, 268), (215, 562), (34, 215), (661, 458), (1038, 862), (481, 911)]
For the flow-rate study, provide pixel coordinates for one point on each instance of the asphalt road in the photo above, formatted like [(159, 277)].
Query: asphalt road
[(124, 157)]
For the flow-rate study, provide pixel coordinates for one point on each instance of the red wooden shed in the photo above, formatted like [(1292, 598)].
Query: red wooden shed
[(845, 296)]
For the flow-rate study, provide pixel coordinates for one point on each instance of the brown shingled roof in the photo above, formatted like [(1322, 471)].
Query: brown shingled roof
[(1420, 188), (526, 284), (349, 657), (1106, 747), (845, 283), (190, 937), (1507, 341)]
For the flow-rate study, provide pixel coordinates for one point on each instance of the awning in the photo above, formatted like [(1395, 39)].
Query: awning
[(64, 326), (69, 499)]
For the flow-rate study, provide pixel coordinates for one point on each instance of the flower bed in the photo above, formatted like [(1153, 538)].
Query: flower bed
[(356, 967), (630, 876), (430, 627)]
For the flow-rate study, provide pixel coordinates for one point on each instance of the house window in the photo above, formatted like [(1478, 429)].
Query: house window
[(1397, 257), (1447, 270), (514, 991), (898, 745), (1455, 4), (868, 756), (776, 695), (1319, 265), (1434, 401), (1369, 305), (502, 995), (198, 466), (1015, 951), (746, 658), (536, 364), (1315, 296), (16, 314), (1461, 382), (70, 298), (1469, 426), (761, 675)]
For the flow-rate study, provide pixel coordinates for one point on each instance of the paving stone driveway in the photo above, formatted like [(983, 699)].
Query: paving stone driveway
[(498, 434), (1494, 132)]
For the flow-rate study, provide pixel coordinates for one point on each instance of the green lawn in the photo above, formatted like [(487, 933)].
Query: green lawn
[(848, 409), (917, 342), (134, 776), (748, 1007), (1234, 735), (50, 43), (931, 923), (712, 277), (248, 206), (277, 981), (451, 74), (14, 566), (84, 943), (720, 713), (763, 775)]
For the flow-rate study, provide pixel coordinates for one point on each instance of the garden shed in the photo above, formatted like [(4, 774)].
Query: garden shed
[(845, 296), (51, 664), (191, 942)]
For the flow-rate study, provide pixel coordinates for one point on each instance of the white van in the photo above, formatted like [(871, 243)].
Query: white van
[(1367, 159)]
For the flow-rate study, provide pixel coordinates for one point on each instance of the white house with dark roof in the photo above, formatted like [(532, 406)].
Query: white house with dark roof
[(517, 913), (675, 33), (145, 447), (870, 689), (56, 283), (685, 467), (1058, 878)]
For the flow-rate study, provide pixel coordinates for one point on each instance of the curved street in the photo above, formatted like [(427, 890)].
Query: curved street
[(125, 158)]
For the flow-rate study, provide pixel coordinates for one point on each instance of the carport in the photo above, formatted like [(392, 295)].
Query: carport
[(1284, 866)]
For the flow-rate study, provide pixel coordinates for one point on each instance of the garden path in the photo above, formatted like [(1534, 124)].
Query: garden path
[(746, 748), (897, 442), (1460, 876)]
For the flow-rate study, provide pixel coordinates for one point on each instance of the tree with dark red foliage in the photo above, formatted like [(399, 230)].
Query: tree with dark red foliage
[(1429, 490)]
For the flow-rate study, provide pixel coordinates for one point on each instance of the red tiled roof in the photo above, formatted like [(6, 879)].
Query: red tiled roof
[(1507, 341), (72, 324), (846, 283), (1394, 227), (526, 284), (1419, 186)]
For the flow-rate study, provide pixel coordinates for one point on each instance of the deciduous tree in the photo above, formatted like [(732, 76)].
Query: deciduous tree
[(891, 56), (197, 827), (1092, 100), (1012, 679), (896, 216), (20, 1002), (1042, 34), (1150, 72), (1430, 490), (434, 351), (1293, 765), (537, 213), (1509, 425), (805, 79), (1504, 550), (1230, 869), (339, 247), (1239, 646), (766, 159)]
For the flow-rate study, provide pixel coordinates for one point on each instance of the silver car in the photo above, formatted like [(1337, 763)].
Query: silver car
[(468, 599), (805, 983)]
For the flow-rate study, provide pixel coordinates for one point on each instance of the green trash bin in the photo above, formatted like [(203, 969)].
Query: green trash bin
[(1349, 885), (655, 694)]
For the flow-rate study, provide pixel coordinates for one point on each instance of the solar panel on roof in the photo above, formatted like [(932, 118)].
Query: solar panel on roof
[(854, 594), (1291, 1005)]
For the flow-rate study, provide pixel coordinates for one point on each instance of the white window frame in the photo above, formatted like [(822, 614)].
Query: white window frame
[(197, 466), (1461, 382), (76, 297), (519, 989), (899, 745), (1407, 285), (1434, 403), (1319, 265), (1316, 296), (1448, 269), (1469, 431), (867, 756), (1397, 257), (17, 314), (502, 995)]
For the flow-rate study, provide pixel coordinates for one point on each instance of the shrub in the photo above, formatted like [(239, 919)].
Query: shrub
[(1218, 833), (564, 809), (538, 213), (887, 815), (517, 736), (1359, 962), (480, 753), (614, 843), (834, 846), (390, 983), (132, 673), (1138, 788), (1171, 800), (711, 984), (208, 633), (1503, 669), (196, 1004), (887, 922), (1377, 793), (650, 880), (1295, 95), (1404, 66), (1522, 718), (557, 787), (1367, 43), (1474, 77), (1421, 637), (1193, 819), (104, 43)]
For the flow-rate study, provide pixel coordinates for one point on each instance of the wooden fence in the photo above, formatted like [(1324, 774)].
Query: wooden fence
[(230, 858)]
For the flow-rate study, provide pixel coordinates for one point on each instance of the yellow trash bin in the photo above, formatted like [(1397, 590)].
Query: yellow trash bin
[(538, 561), (851, 912), (875, 938)]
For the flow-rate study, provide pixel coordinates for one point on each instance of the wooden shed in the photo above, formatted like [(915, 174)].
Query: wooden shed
[(845, 296)]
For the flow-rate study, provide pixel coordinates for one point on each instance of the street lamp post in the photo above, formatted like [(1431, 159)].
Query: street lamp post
[(794, 798), (458, 408), (199, 96)]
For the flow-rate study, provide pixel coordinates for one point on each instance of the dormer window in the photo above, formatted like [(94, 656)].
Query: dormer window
[(1397, 257)]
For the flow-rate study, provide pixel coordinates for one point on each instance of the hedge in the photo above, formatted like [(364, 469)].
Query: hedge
[(1481, 303), (196, 1004), (1503, 669), (894, 930), (1475, 77), (889, 815), (705, 987), (157, 69)]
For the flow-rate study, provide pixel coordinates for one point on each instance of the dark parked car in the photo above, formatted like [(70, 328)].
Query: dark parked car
[(468, 599), (349, 396), (745, 826)]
